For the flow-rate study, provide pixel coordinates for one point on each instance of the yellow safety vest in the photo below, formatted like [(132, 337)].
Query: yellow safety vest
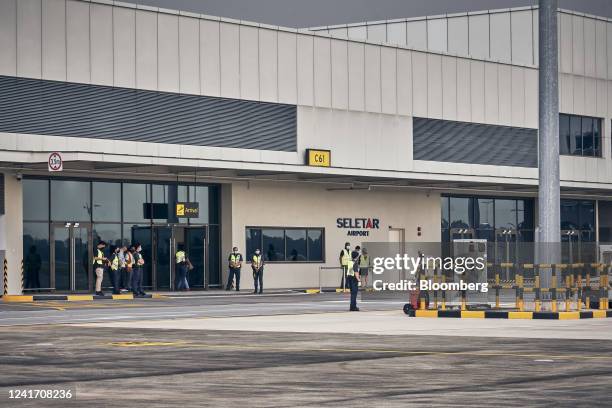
[(235, 260), (180, 257), (346, 258), (115, 263), (364, 261), (99, 261), (257, 261)]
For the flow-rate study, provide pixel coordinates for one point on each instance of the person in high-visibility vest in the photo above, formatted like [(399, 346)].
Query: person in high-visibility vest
[(257, 264), (345, 263), (235, 263), (352, 278), (115, 271), (99, 261), (137, 272), (364, 267), (181, 268)]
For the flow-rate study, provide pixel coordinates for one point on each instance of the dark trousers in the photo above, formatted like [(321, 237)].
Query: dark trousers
[(233, 272), (258, 279), (181, 277), (126, 278), (343, 278), (137, 281), (353, 285), (116, 280)]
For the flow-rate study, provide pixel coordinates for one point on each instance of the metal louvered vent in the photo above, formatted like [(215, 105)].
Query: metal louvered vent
[(80, 110), (474, 143)]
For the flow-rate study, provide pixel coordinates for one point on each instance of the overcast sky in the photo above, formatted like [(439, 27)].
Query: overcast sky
[(310, 13)]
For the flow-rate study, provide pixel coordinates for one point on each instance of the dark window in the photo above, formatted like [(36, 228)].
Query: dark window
[(579, 135), (296, 245), (106, 202), (315, 245), (564, 134), (70, 201), (35, 200), (460, 216), (253, 241), (135, 196), (597, 138), (444, 215), (199, 194), (576, 134), (569, 215), (36, 255), (505, 214), (587, 136), (274, 244)]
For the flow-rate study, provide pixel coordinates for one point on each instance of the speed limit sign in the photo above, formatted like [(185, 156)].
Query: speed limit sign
[(55, 162)]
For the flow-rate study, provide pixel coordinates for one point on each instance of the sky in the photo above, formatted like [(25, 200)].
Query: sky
[(312, 13)]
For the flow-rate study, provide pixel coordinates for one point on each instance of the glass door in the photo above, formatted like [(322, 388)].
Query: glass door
[(163, 258), (70, 257), (196, 250)]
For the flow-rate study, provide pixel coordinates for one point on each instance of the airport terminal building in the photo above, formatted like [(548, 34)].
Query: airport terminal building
[(292, 141)]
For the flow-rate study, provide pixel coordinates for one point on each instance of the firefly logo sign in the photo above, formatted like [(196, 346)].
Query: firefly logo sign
[(358, 226)]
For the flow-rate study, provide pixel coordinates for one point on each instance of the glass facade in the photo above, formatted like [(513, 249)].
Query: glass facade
[(286, 244), (79, 213), (579, 135)]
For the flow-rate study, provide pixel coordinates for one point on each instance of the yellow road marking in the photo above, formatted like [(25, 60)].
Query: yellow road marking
[(146, 343), (520, 315), (472, 314), (569, 315), (426, 313), (17, 298), (75, 298)]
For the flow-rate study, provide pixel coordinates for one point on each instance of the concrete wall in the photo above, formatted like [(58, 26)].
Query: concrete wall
[(11, 232), (308, 205)]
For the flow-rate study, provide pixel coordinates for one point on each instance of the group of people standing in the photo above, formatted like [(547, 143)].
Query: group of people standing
[(125, 265), (235, 260), (355, 267)]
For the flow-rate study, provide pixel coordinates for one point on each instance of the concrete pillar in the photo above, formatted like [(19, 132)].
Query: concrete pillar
[(11, 232), (548, 135)]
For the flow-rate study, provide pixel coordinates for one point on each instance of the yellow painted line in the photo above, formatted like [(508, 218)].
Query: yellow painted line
[(73, 298), (599, 314), (473, 314), (17, 298), (426, 313), (123, 297), (341, 290), (146, 343), (569, 315), (313, 291), (520, 315), (158, 296)]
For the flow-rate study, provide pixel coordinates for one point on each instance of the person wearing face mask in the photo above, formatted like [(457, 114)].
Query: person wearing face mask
[(137, 271), (257, 264), (345, 260), (235, 263)]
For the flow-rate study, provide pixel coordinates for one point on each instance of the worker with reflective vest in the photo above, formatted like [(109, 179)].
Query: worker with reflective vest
[(137, 271), (115, 271), (99, 261), (257, 264), (345, 263), (352, 278), (235, 263), (181, 269)]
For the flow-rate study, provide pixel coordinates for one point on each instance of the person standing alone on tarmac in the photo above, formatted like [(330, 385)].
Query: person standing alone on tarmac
[(352, 278), (181, 268), (99, 262), (345, 258), (137, 272), (235, 263), (257, 264)]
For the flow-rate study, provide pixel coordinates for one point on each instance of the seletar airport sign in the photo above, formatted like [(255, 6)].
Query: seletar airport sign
[(358, 226)]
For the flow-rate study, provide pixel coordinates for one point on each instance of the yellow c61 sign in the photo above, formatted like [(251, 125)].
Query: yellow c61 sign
[(319, 158)]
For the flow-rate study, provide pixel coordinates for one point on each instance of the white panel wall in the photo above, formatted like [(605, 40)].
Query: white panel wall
[(338, 32), (54, 40), (404, 82), (531, 98), (500, 48), (477, 91), (249, 63), (449, 88), (287, 68), (340, 86), (589, 47), (491, 93), (146, 50), (458, 42), (8, 37), (601, 70), (229, 46), (437, 35), (356, 75), (566, 43), (590, 96), (210, 67), (322, 72), (268, 65), (396, 33), (566, 93), (522, 37), (609, 44), (168, 49), (29, 38), (124, 47), (305, 69), (535, 28), (388, 66), (377, 33), (419, 84), (372, 78), (518, 97), (464, 100), (479, 35), (434, 86), (578, 45), (358, 32), (77, 42), (579, 95), (101, 29), (189, 55), (602, 99), (416, 34), (504, 74)]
